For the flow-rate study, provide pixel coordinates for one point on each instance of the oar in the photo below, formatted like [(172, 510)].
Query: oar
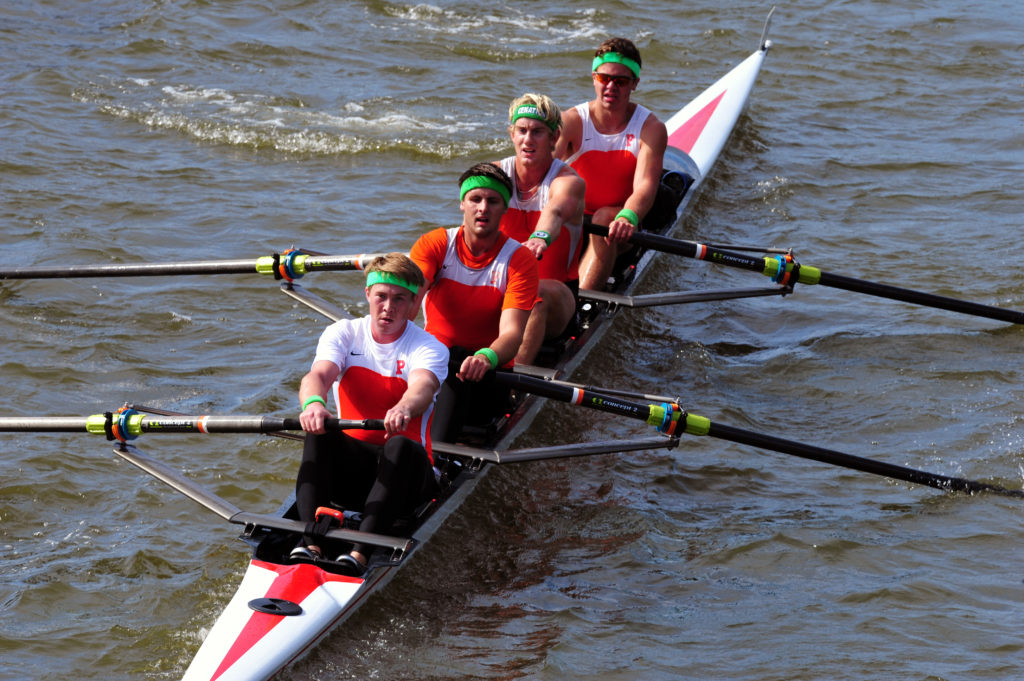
[(126, 424), (288, 265), (782, 270), (670, 418)]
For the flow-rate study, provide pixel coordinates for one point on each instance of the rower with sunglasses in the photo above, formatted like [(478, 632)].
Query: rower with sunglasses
[(617, 147)]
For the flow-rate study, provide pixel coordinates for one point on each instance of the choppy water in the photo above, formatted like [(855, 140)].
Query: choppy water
[(883, 141)]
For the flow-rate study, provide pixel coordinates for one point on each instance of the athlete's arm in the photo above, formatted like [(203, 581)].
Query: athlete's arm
[(419, 394), (565, 205), (649, 161), (428, 254), (653, 140), (511, 327), (317, 382), (572, 130)]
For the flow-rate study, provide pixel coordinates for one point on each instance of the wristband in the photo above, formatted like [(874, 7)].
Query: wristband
[(491, 356), (544, 236), (629, 216), (311, 399)]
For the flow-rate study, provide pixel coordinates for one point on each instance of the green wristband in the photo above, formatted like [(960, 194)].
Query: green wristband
[(491, 356), (543, 236), (311, 399), (630, 216)]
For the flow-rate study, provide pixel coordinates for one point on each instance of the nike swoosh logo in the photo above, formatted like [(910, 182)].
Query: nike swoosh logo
[(353, 352)]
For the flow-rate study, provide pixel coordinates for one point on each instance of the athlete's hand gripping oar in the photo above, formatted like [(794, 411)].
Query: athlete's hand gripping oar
[(290, 265), (127, 424), (783, 270), (670, 418)]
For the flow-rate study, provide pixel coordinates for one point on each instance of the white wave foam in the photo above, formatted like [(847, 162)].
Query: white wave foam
[(512, 27), (260, 120)]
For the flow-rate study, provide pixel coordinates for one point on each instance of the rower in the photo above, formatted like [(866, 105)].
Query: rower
[(481, 289), (380, 366), (545, 214), (617, 147)]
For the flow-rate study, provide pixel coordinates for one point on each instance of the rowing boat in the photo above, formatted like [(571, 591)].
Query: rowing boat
[(281, 608)]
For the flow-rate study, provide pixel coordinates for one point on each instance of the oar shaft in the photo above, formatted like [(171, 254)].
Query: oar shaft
[(770, 266), (836, 458), (215, 424), (699, 425), (336, 263), (132, 270), (142, 423), (296, 265), (43, 424), (920, 298)]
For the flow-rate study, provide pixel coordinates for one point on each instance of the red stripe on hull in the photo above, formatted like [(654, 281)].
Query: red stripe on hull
[(293, 583), (686, 135)]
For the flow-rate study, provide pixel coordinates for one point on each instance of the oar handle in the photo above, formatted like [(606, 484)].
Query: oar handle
[(655, 242)]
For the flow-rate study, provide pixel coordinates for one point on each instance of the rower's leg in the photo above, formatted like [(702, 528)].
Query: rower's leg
[(548, 318), (335, 468), (316, 469), (596, 264), (443, 425), (533, 334), (599, 256), (405, 479)]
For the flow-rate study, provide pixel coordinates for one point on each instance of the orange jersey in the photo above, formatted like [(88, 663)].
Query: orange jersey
[(468, 294), (561, 259), (374, 376), (607, 162)]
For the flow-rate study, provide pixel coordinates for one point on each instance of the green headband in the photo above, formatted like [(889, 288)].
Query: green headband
[(617, 58), (531, 111), (378, 277), (484, 182)]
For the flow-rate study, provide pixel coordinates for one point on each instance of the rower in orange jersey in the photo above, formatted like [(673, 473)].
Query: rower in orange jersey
[(545, 214), (618, 147), (482, 287)]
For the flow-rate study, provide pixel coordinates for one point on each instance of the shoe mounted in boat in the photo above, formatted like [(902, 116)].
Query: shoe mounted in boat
[(305, 553), (350, 566)]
